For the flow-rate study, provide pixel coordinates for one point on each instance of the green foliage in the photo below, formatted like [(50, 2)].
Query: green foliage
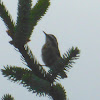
[(58, 92), (23, 22), (64, 64), (28, 18), (32, 82), (38, 11), (7, 97), (69, 56), (26, 21), (31, 62), (6, 17), (27, 78)]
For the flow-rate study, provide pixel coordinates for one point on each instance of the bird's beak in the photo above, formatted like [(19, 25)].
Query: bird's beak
[(45, 33)]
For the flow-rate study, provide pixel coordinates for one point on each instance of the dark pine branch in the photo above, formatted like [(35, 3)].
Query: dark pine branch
[(33, 83), (6, 17), (38, 11), (32, 63), (70, 56), (58, 92), (7, 97), (22, 32), (57, 70), (27, 78), (64, 64)]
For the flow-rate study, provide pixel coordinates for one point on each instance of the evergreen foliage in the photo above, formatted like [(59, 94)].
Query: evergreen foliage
[(7, 97), (6, 17), (58, 92), (38, 11), (22, 31), (64, 64), (27, 78), (34, 77)]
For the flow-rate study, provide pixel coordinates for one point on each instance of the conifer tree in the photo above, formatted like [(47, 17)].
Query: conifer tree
[(34, 77)]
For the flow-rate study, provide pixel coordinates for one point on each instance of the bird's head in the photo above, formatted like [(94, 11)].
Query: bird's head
[(51, 39)]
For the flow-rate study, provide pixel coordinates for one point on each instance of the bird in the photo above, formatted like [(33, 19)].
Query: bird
[(51, 52)]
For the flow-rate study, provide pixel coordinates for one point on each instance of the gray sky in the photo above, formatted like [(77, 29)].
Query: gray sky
[(74, 23)]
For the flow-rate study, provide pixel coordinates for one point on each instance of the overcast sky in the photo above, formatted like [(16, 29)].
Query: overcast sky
[(74, 23)]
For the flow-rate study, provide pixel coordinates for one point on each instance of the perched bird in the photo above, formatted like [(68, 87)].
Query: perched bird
[(50, 50), (51, 53)]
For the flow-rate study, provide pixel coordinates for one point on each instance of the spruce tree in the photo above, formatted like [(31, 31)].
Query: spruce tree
[(34, 77)]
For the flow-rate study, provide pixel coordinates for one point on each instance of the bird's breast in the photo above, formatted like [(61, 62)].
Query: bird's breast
[(49, 54)]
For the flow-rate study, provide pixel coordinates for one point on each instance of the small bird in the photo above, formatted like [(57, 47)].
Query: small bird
[(50, 50)]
